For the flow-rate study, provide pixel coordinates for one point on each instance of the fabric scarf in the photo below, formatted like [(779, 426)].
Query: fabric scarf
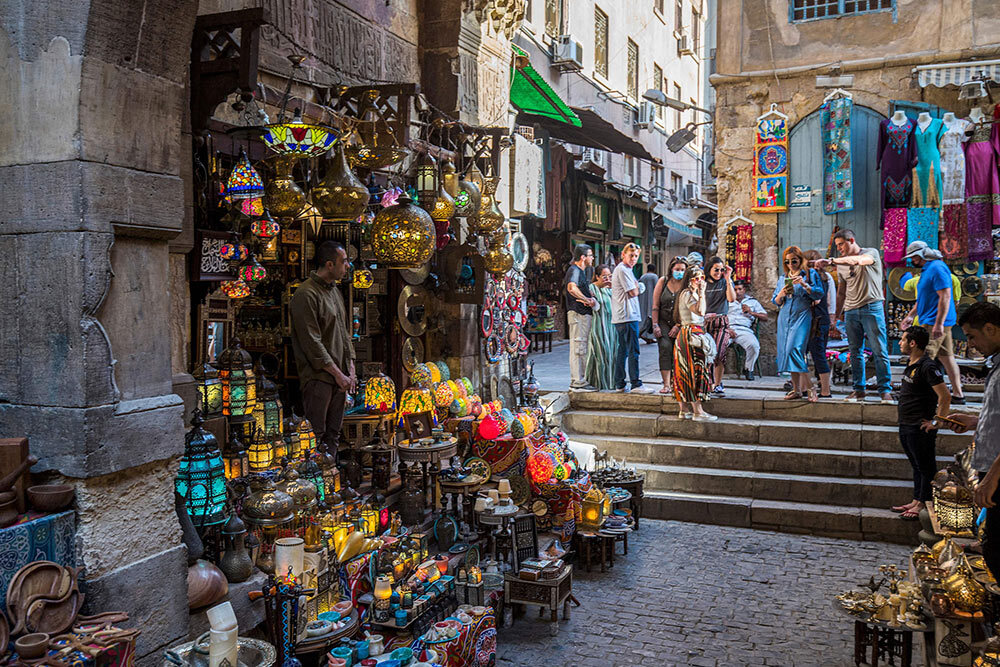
[(894, 235), (743, 265), (954, 241), (980, 218), (922, 225), (838, 184)]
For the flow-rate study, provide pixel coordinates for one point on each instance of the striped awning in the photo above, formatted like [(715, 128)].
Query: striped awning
[(955, 74)]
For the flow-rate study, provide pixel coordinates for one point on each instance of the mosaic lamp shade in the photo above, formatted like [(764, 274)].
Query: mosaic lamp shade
[(239, 385), (380, 395), (201, 476), (265, 227), (252, 271), (268, 414), (307, 437), (244, 182), (421, 375), (209, 389), (234, 251), (252, 207), (235, 289), (403, 235), (416, 400), (299, 140), (468, 199)]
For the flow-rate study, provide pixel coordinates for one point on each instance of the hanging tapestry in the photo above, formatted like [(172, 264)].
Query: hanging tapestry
[(770, 164), (954, 242), (922, 225), (838, 186), (894, 235), (980, 217), (731, 245), (744, 253)]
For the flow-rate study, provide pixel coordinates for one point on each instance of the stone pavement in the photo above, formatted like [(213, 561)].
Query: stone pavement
[(552, 368), (713, 596)]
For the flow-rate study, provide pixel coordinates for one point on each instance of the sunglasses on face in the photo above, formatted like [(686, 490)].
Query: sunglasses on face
[(792, 261)]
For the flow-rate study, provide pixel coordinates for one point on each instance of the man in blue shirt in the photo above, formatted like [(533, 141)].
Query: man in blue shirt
[(936, 309)]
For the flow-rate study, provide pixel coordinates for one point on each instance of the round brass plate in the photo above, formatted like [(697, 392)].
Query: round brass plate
[(896, 276), (413, 353), (972, 286), (412, 310), (415, 276)]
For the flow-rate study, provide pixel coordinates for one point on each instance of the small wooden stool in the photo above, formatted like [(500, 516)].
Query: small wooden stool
[(588, 543), (545, 594)]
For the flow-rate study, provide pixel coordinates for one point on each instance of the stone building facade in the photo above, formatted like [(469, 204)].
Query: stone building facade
[(775, 59)]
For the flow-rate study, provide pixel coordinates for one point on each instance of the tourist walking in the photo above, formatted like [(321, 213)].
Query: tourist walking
[(922, 395), (664, 325), (602, 345), (691, 377), (797, 289), (579, 314), (860, 304), (936, 309), (719, 291), (824, 321), (625, 291), (744, 311), (648, 281)]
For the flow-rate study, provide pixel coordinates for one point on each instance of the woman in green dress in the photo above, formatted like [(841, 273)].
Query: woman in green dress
[(602, 344)]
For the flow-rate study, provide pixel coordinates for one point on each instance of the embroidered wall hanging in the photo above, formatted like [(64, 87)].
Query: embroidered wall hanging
[(922, 225), (770, 162), (744, 252), (954, 243), (894, 235), (731, 246), (838, 184)]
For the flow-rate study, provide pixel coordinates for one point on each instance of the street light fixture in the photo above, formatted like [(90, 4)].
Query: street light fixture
[(659, 98)]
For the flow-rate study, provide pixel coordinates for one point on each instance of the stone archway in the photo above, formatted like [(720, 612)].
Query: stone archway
[(92, 151)]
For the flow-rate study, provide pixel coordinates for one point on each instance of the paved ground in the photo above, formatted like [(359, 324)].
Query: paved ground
[(690, 594)]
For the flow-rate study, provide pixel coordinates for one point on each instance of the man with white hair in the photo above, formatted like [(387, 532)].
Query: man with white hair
[(935, 308)]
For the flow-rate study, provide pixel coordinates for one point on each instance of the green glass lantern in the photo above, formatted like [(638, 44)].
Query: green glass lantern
[(269, 410), (239, 386), (234, 457), (209, 389), (310, 471), (201, 477)]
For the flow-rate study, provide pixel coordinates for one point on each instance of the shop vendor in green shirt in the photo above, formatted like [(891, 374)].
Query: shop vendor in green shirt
[(321, 342)]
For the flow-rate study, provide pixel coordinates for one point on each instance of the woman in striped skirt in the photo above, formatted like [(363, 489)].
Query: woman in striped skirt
[(691, 377)]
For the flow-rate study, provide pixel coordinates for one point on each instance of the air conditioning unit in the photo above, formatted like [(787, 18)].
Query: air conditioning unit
[(684, 46), (593, 155), (691, 193), (647, 114), (567, 54)]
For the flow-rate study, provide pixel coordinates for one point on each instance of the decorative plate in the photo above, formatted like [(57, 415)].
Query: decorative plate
[(898, 276), (519, 250), (539, 508), (512, 339), (972, 286), (413, 354), (412, 310), (478, 466), (459, 548), (971, 268), (415, 276), (486, 322), (520, 492)]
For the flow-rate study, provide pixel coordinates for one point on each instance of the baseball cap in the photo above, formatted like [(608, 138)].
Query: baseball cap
[(915, 249)]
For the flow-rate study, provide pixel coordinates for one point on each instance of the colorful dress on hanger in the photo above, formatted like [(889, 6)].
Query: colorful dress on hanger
[(952, 149), (927, 184), (897, 155), (982, 189)]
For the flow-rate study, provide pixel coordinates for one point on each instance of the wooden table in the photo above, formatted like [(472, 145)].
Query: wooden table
[(544, 594), (589, 542), (539, 339)]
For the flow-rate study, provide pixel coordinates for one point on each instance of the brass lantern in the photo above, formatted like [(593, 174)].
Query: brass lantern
[(444, 206), (449, 178), (312, 217), (209, 389), (498, 261), (268, 413), (260, 454), (239, 386), (427, 180), (467, 199), (341, 195), (403, 235), (293, 446), (234, 457), (307, 437), (593, 510), (283, 196), (490, 217)]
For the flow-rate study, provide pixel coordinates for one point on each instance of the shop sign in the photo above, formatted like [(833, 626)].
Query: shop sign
[(597, 212), (801, 196), (632, 222), (208, 264)]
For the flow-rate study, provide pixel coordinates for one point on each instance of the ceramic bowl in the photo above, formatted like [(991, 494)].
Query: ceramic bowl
[(390, 663), (343, 608), (330, 616), (403, 654), (317, 628), (32, 647), (50, 497)]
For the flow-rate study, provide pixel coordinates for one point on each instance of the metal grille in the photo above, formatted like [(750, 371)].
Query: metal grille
[(809, 10), (633, 70), (658, 84), (552, 11), (600, 42)]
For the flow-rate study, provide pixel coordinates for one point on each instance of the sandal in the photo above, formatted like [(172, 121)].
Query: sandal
[(793, 396), (666, 390), (901, 508), (910, 515), (826, 395)]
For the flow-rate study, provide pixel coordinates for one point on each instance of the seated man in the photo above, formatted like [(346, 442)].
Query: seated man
[(742, 314)]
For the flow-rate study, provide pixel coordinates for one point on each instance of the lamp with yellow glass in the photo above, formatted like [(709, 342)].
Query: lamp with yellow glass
[(593, 510), (383, 597), (260, 454), (307, 438)]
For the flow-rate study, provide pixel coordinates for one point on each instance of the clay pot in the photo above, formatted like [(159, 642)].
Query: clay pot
[(8, 508), (32, 647), (51, 497), (206, 584)]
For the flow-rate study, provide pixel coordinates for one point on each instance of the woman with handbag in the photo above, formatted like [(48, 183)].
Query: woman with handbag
[(824, 320), (664, 327), (719, 291), (794, 294), (691, 378)]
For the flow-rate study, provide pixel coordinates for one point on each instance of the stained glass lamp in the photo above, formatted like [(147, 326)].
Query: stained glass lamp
[(403, 236), (293, 447), (244, 182), (201, 477), (209, 389), (234, 457), (239, 386), (310, 471), (468, 199), (307, 437), (235, 289), (234, 251), (427, 180), (298, 139), (265, 227), (252, 271), (260, 454), (380, 395), (416, 400), (252, 207), (362, 279), (268, 412)]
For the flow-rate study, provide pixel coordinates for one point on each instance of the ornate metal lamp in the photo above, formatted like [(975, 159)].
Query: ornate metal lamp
[(209, 389), (449, 178), (403, 235), (283, 196), (427, 180), (239, 386), (341, 196), (307, 437), (260, 453), (235, 457), (201, 477), (268, 413), (468, 199)]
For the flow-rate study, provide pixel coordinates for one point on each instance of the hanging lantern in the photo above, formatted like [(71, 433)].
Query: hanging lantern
[(297, 139), (260, 454), (284, 197), (498, 261), (239, 387), (312, 217), (244, 182), (234, 251), (234, 457), (380, 395), (403, 235), (490, 217), (293, 446), (209, 389), (468, 199), (475, 176), (341, 196), (252, 272), (449, 178), (268, 412), (444, 206), (235, 289), (265, 227), (307, 438), (201, 477), (427, 180), (252, 207)]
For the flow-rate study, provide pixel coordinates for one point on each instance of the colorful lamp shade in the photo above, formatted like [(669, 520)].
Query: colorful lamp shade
[(403, 235), (234, 457), (341, 195), (380, 395), (468, 199), (252, 271), (434, 371), (252, 207), (307, 437), (541, 466), (260, 454), (445, 372), (298, 139), (310, 471), (416, 400), (490, 427), (201, 477), (235, 289), (209, 389), (265, 227), (268, 414), (421, 375), (362, 279), (443, 395), (244, 182), (239, 386)]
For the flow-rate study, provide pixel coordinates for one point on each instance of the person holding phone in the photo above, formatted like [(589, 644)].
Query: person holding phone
[(719, 291), (797, 289), (691, 376)]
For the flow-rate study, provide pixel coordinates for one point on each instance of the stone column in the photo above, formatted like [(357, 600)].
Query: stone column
[(93, 99)]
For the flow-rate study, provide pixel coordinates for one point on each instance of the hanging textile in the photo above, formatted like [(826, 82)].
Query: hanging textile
[(894, 235), (731, 245), (922, 225), (982, 186), (954, 243), (980, 217), (838, 186), (770, 162), (953, 162), (743, 266), (896, 158)]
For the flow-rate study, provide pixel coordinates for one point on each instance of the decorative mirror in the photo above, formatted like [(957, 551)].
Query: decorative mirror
[(512, 338), (486, 322), (519, 250), (494, 349), (415, 276), (412, 310)]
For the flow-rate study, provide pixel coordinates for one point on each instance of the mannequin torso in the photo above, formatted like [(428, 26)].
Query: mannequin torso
[(923, 120), (899, 118), (977, 115), (949, 120)]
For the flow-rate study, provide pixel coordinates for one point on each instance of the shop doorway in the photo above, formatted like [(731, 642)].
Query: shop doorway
[(807, 226)]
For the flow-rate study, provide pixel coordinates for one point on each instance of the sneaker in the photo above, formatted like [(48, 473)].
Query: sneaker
[(855, 397), (704, 417), (719, 391), (641, 389), (619, 390), (586, 387), (749, 375), (958, 400), (685, 415)]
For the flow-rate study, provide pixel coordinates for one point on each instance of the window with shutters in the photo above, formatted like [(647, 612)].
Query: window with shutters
[(811, 10), (696, 31), (679, 16), (600, 42), (633, 70)]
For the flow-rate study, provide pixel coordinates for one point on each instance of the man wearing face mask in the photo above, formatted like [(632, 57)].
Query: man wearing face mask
[(743, 312)]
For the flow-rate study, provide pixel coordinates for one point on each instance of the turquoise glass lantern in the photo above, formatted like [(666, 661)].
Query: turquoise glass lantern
[(201, 477)]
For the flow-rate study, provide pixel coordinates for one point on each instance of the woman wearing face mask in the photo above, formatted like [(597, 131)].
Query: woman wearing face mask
[(795, 293), (691, 379), (664, 326), (602, 345), (719, 291)]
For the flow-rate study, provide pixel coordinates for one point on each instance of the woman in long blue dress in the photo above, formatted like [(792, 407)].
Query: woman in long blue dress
[(603, 343), (795, 293)]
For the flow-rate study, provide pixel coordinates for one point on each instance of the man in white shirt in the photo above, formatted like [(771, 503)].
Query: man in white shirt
[(742, 314), (625, 291)]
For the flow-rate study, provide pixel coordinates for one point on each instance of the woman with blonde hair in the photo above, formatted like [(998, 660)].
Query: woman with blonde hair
[(794, 294), (691, 377)]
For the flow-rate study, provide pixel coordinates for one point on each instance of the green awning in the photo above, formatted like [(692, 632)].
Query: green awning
[(531, 94)]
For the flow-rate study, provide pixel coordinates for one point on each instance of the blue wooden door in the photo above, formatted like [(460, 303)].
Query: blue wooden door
[(807, 226)]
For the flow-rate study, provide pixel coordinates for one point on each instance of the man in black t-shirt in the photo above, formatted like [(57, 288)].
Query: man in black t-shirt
[(579, 314), (922, 396)]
